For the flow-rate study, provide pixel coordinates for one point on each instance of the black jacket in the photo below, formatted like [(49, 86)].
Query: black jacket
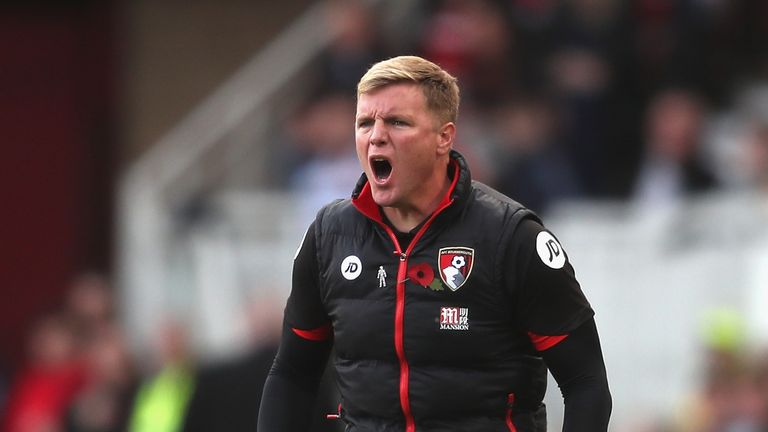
[(429, 335)]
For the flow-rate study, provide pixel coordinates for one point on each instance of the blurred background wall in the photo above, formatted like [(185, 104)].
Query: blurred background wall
[(87, 88), (161, 160), (59, 119)]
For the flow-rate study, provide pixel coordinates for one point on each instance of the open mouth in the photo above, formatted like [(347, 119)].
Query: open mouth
[(382, 168)]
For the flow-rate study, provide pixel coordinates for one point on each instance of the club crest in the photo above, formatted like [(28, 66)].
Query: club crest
[(455, 264)]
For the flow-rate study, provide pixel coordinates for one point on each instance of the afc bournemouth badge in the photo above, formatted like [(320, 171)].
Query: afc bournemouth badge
[(455, 264)]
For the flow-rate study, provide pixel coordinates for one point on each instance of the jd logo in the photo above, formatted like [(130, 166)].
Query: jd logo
[(351, 267), (550, 251), (554, 249)]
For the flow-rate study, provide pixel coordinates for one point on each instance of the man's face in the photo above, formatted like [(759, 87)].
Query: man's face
[(401, 145)]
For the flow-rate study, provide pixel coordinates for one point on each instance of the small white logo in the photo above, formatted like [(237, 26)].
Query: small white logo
[(550, 251), (452, 318), (351, 267), (382, 275)]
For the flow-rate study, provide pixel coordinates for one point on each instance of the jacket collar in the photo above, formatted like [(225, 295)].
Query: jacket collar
[(457, 194)]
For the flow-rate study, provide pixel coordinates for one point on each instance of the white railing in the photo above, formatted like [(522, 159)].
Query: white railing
[(176, 169)]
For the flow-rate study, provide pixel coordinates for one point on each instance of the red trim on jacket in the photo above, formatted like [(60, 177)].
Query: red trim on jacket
[(542, 343), (365, 204), (318, 334)]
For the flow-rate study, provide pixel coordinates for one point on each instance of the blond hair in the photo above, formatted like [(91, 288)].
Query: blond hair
[(440, 89)]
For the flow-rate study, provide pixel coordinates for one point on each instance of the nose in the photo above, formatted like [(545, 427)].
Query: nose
[(378, 134)]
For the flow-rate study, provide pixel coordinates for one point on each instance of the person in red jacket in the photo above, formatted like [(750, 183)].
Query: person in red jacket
[(48, 382)]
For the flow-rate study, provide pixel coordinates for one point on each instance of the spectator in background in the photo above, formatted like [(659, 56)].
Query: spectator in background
[(356, 44), (531, 167), (671, 169), (53, 375), (730, 398), (593, 99), (580, 84), (103, 404), (89, 307), (758, 165), (534, 27), (162, 398), (329, 164), (473, 41), (737, 144)]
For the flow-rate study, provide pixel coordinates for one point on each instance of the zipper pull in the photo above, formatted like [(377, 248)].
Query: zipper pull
[(334, 416), (401, 255)]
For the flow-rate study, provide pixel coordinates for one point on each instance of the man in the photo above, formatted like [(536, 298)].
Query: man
[(478, 298)]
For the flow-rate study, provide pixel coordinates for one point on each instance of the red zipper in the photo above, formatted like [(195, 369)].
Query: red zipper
[(405, 403), (402, 270), (372, 211), (510, 404)]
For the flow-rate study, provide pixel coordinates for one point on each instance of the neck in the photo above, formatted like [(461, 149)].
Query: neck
[(406, 218)]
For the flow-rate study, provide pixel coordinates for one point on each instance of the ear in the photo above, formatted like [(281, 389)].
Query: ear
[(445, 137)]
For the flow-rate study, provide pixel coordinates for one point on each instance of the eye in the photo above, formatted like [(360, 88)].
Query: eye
[(363, 123), (398, 122)]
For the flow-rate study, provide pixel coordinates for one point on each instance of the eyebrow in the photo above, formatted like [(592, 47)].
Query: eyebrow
[(387, 116)]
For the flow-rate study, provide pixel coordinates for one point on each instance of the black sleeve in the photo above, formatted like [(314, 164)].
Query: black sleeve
[(577, 365), (290, 391), (305, 309), (291, 387), (547, 297)]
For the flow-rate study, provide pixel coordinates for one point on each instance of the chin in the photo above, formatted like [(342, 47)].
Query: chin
[(384, 199)]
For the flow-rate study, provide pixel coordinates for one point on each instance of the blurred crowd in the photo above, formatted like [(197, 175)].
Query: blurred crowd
[(78, 373), (645, 101), (82, 374), (648, 101)]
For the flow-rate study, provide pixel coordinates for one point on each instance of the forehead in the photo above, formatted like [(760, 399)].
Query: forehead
[(392, 98)]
